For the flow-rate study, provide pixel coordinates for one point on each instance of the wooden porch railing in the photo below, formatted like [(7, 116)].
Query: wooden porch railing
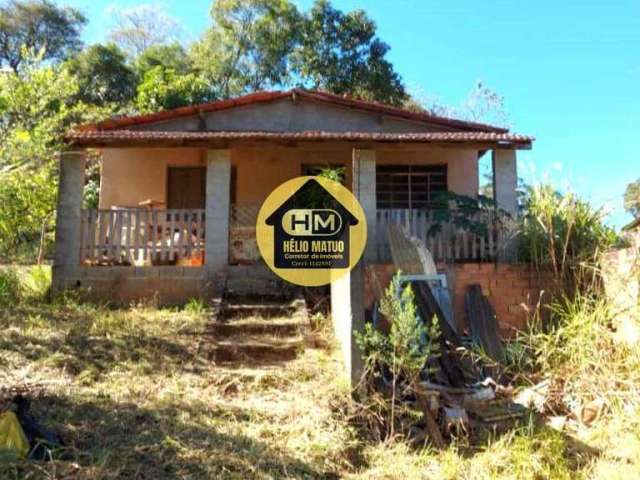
[(136, 236), (447, 243)]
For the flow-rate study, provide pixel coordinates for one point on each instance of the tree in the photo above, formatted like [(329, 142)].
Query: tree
[(482, 104), (171, 56), (163, 88), (632, 198), (138, 28), (37, 105), (103, 75), (38, 25), (248, 46), (341, 53)]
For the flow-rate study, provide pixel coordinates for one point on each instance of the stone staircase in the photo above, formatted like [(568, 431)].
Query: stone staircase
[(257, 330)]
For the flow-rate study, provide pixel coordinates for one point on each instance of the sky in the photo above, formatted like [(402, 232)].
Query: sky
[(569, 72)]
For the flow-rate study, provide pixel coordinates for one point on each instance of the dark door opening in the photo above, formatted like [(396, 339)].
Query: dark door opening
[(186, 187)]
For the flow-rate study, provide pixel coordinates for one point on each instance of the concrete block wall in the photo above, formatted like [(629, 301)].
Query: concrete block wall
[(168, 285), (513, 290)]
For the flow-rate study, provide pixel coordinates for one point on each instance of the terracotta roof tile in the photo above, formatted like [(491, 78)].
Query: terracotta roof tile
[(101, 138), (262, 97)]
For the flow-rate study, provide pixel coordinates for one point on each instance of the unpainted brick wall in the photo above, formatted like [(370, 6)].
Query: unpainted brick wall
[(515, 291)]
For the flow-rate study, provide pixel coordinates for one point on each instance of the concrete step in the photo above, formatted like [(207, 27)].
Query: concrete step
[(277, 327), (247, 310), (255, 349)]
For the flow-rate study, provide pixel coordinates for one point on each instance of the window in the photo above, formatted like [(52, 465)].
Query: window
[(409, 186)]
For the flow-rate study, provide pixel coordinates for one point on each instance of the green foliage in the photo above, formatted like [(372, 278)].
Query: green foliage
[(403, 353), (632, 198), (37, 105), (103, 75), (563, 233), (195, 306), (164, 88), (28, 200), (172, 56), (248, 46), (263, 44), (341, 53), (41, 26), (335, 174), (10, 288), (462, 211)]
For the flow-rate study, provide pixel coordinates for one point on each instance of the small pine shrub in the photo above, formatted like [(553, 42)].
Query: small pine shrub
[(395, 362)]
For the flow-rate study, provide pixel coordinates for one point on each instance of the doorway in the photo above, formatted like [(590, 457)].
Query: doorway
[(186, 187)]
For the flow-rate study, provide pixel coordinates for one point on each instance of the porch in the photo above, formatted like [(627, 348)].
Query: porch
[(221, 191), (144, 237)]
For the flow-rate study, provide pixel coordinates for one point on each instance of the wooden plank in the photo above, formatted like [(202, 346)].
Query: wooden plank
[(172, 225), (92, 238), (483, 322), (102, 236), (129, 222), (154, 235), (136, 241), (448, 360), (145, 236)]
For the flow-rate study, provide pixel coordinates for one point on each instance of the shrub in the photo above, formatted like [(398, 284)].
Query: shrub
[(396, 361)]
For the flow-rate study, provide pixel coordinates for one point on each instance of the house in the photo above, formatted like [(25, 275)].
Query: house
[(180, 189), (632, 230)]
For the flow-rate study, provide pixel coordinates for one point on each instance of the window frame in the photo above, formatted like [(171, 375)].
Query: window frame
[(436, 178)]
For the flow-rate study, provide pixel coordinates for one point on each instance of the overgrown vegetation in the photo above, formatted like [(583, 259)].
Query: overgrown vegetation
[(396, 361), (134, 395), (564, 234)]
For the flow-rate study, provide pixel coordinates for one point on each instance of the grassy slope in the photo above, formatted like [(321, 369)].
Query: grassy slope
[(134, 398)]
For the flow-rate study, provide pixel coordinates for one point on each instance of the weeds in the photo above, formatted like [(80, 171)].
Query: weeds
[(195, 306)]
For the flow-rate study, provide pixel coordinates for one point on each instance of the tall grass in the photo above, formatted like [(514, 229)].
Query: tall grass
[(564, 234), (578, 351)]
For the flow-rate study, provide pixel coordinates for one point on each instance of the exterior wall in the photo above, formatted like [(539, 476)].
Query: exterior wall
[(462, 164), (284, 115), (164, 285), (130, 176), (513, 290)]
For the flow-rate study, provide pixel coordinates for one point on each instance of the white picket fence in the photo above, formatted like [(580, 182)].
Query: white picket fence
[(142, 236)]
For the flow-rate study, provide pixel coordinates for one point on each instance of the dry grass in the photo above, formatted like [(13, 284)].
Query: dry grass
[(133, 396)]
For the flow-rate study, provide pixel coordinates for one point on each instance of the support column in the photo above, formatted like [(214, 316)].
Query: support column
[(505, 184), (66, 260), (364, 188), (505, 180), (217, 210), (347, 293)]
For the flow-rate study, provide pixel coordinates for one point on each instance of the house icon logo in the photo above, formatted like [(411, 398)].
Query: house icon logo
[(311, 230)]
